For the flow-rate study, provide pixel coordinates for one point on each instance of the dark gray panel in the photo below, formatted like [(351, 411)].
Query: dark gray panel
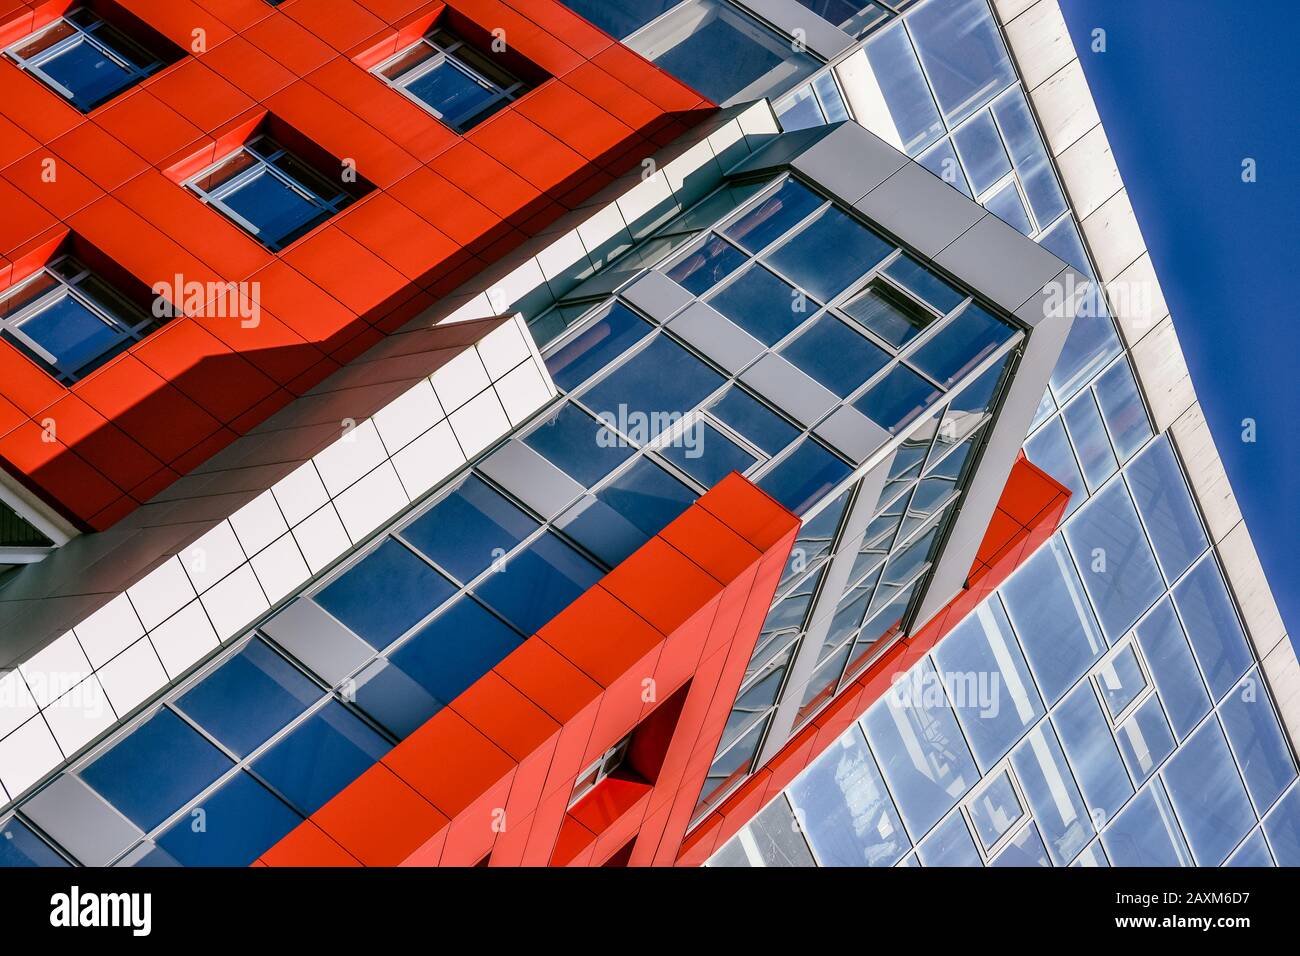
[(1001, 263), (531, 478), (920, 209), (717, 337), (657, 296)]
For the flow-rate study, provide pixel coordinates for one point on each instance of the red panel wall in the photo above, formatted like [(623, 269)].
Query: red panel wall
[(1029, 511), (443, 206), (673, 626)]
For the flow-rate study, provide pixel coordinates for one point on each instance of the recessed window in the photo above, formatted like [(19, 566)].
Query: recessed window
[(270, 193), (451, 79), (604, 766), (83, 59), (70, 320)]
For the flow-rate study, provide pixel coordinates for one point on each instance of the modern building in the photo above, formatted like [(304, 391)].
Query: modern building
[(634, 432)]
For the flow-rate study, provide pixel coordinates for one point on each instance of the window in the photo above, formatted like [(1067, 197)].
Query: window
[(854, 17), (450, 79), (83, 59), (69, 320), (269, 193), (604, 766)]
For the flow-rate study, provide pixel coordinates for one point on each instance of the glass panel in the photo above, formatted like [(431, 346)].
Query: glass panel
[(1007, 206), (1146, 833), (918, 279), (1030, 157), (800, 110), (627, 512), (1166, 507), (923, 756), (456, 648), (751, 418), (596, 346), (829, 95), (392, 698), (1258, 742), (729, 767), (579, 445), (950, 844), (278, 212), (1207, 795), (766, 307), (1253, 852), (980, 148), (469, 529), (1145, 740), (962, 53), (754, 701), (1092, 752), (1173, 668), (774, 216), (69, 332), (240, 821), (1212, 626), (1025, 849), (962, 344), (988, 682), (20, 847), (251, 697), (620, 18), (1062, 819), (836, 356), (941, 159), (87, 73), (774, 837), (843, 805), (1120, 679), (893, 317), (711, 261), (854, 17), (710, 456), (538, 583), (451, 93), (1122, 409), (1119, 570), (1050, 450), (1092, 855), (995, 809), (805, 476), (156, 769), (830, 253), (1089, 439), (1283, 829), (897, 399), (1092, 343), (1052, 618), (908, 118), (657, 386), (385, 594)]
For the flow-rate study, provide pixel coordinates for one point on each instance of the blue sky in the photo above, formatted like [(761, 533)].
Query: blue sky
[(1186, 91)]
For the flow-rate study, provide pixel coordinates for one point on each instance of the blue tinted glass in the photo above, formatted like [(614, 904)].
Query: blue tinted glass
[(950, 844), (627, 512), (20, 847), (578, 445), (1025, 849), (596, 346), (385, 594), (1007, 206), (805, 476), (830, 253), (278, 212), (457, 647), (920, 748), (1052, 619), (1122, 409), (70, 332), (1089, 439), (1212, 626), (847, 814), (1253, 852), (620, 18), (450, 92), (710, 456), (662, 382), (1146, 833), (917, 278), (942, 161), (1261, 749), (1145, 739), (774, 216), (766, 307), (466, 531), (1173, 668), (897, 75), (897, 399), (1092, 343), (1063, 820), (1119, 570), (1086, 737), (962, 53), (1283, 829), (149, 774), (1207, 795), (829, 95), (707, 264), (538, 583), (981, 151), (1063, 241), (751, 418), (988, 681), (1050, 450), (320, 757), (88, 74), (835, 355), (249, 698), (962, 344), (994, 810), (394, 699), (1166, 507), (1120, 680), (241, 821), (800, 110), (1030, 157)]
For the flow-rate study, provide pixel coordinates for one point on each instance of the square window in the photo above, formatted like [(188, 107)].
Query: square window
[(69, 320), (84, 59), (269, 193), (451, 79)]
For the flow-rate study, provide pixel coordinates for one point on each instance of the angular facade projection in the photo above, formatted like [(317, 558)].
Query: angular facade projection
[(621, 433)]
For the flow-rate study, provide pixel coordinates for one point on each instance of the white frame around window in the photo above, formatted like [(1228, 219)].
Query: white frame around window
[(84, 33), (444, 53), (11, 325), (600, 769), (264, 164)]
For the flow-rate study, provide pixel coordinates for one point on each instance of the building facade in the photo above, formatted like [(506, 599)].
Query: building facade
[(619, 433)]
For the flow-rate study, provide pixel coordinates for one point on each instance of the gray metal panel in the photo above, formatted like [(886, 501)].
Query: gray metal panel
[(920, 209), (307, 632), (81, 821), (789, 389), (717, 336), (780, 152), (1028, 383), (531, 478), (657, 296), (853, 433), (1001, 263), (825, 39), (850, 162), (1062, 295)]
